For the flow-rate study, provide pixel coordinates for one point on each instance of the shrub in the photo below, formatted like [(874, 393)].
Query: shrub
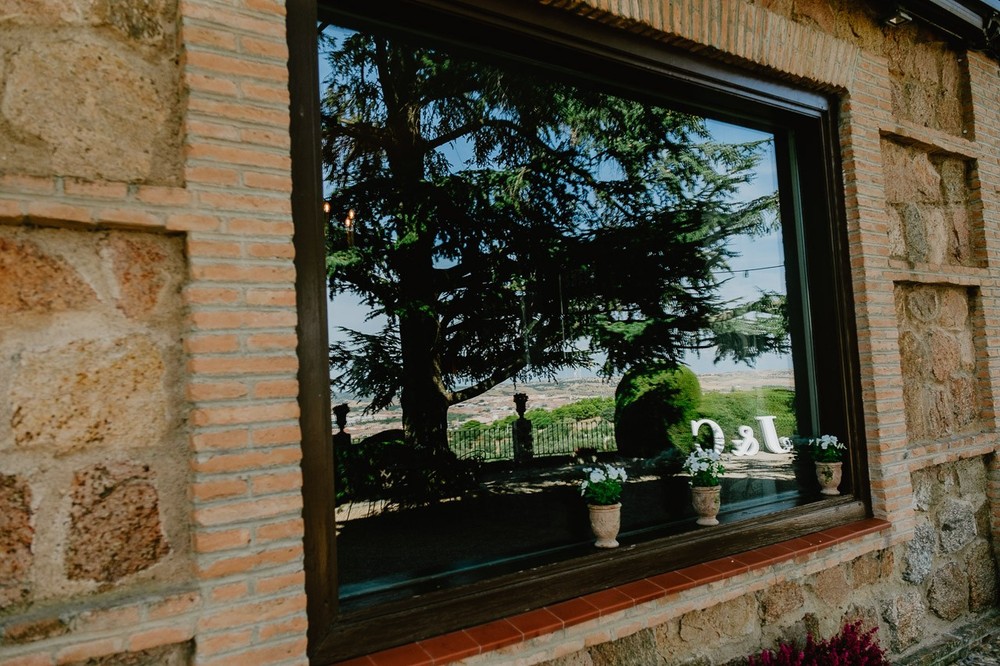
[(653, 408), (384, 468), (850, 647)]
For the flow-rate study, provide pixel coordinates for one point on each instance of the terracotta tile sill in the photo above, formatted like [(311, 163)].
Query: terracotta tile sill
[(518, 628)]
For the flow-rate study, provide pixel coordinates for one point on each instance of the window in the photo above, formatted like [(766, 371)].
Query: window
[(517, 205)]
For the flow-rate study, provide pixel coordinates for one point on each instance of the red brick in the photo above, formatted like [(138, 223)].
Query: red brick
[(216, 391), (277, 435), (213, 644), (130, 218), (213, 175), (260, 227), (89, 650), (250, 510), (163, 196), (242, 319), (253, 613), (213, 85), (239, 272), (271, 297), (251, 460), (161, 636), (45, 212), (229, 591), (286, 529), (285, 388), (271, 250), (269, 341), (219, 488), (226, 439), (243, 365), (215, 248), (251, 414), (194, 35), (250, 202), (192, 222), (276, 483), (247, 563), (175, 605), (295, 626), (280, 582), (276, 49)]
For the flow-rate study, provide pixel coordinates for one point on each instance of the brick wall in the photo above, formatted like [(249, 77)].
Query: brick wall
[(149, 445), (150, 495)]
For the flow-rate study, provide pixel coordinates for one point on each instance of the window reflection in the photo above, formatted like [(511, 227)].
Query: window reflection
[(528, 275)]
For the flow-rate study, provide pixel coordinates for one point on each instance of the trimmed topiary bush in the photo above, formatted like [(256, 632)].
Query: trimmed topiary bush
[(654, 406)]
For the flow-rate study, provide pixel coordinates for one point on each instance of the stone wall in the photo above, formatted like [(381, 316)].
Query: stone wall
[(910, 592), (150, 483), (150, 490)]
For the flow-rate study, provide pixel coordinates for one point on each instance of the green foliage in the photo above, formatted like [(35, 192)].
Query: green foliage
[(386, 469), (654, 404), (603, 484), (501, 218), (735, 408)]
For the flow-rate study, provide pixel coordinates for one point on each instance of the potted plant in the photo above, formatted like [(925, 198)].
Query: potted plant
[(705, 467), (827, 453), (602, 488)]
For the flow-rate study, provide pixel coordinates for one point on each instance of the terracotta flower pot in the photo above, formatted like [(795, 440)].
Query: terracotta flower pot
[(605, 521), (706, 500), (829, 474)]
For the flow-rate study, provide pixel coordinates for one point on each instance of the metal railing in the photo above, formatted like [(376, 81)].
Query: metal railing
[(557, 438)]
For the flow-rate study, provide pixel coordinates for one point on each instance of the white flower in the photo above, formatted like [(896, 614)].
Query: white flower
[(597, 475)]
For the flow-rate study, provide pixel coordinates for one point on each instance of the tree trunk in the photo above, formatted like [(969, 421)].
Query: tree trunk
[(423, 398)]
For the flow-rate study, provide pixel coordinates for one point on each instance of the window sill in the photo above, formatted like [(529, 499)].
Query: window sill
[(525, 626)]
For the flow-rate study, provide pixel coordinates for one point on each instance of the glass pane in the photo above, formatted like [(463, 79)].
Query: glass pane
[(529, 277)]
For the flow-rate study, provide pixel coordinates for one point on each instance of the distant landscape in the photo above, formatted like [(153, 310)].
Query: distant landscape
[(498, 402)]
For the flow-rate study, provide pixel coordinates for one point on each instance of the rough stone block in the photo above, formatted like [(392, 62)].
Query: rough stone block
[(897, 246), (956, 522), (145, 266), (16, 537), (938, 360), (91, 106), (948, 593), (638, 648), (32, 281), (115, 526), (926, 490), (89, 393), (918, 557), (905, 615), (982, 570), (726, 621), (831, 586), (779, 599), (910, 177)]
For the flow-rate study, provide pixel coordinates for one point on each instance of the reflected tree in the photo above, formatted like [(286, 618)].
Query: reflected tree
[(508, 226)]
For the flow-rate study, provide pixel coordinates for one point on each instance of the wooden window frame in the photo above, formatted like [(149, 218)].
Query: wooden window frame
[(805, 126)]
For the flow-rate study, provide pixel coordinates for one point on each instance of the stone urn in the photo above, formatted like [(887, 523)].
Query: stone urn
[(706, 500), (605, 521), (829, 474)]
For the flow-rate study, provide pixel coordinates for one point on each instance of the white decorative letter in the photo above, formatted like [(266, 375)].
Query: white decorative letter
[(748, 445), (718, 437), (771, 441)]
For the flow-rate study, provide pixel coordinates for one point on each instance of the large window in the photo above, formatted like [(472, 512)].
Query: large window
[(547, 246)]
